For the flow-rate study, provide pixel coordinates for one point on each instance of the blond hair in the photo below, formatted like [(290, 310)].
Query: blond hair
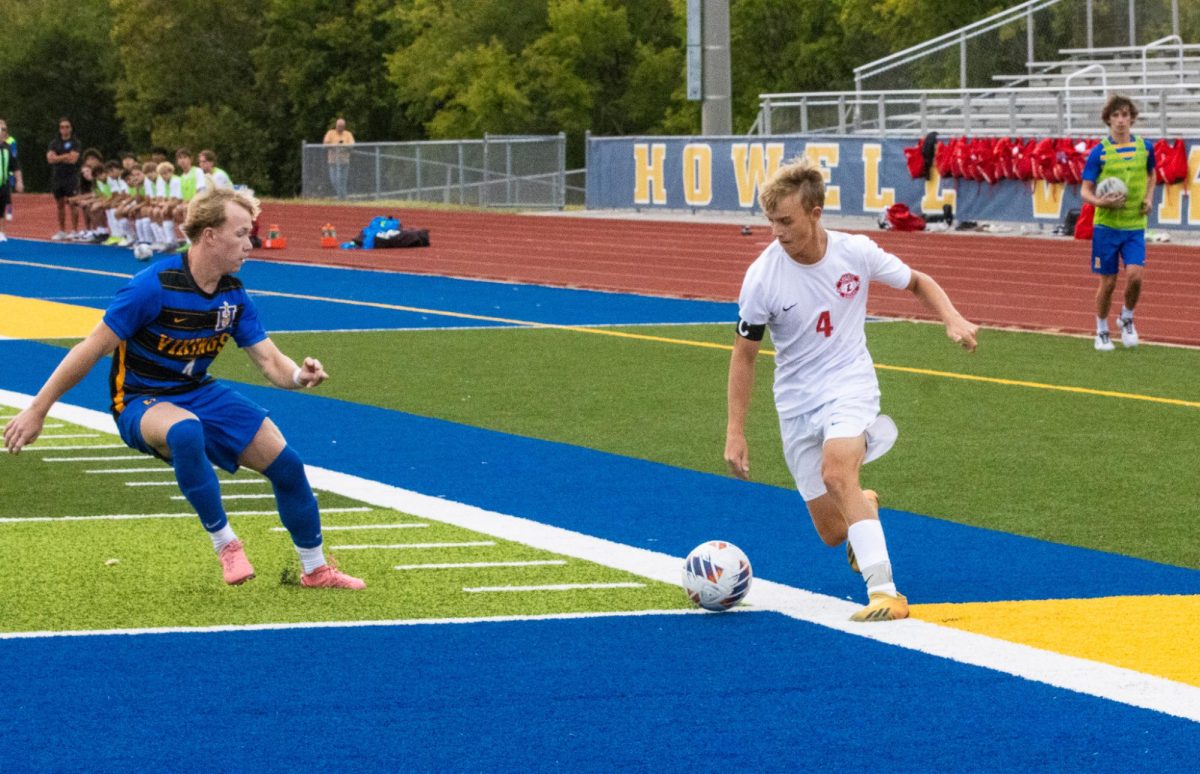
[(796, 176), (207, 209), (166, 167)]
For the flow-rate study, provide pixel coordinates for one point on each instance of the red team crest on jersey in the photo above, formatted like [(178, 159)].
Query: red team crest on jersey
[(848, 285)]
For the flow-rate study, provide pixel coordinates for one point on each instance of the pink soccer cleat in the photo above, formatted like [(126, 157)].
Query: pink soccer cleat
[(328, 577), (234, 564)]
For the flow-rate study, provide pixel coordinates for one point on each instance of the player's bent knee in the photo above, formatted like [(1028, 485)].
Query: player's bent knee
[(186, 438)]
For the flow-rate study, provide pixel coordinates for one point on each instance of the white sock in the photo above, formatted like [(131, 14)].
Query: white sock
[(222, 537), (311, 558), (1126, 313), (169, 227), (159, 234), (142, 226), (870, 549), (1101, 325), (123, 223)]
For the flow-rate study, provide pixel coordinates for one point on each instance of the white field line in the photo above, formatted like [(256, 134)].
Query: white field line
[(339, 527), (69, 435), (458, 565), (75, 447), (260, 496), (417, 546), (1083, 676), (47, 426), (271, 627), (555, 587), (224, 482), (159, 469), (95, 459), (137, 516)]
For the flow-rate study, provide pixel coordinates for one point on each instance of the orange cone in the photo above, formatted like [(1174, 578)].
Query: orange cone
[(328, 236)]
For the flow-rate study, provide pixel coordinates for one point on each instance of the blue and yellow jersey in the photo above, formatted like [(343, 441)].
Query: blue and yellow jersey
[(171, 330)]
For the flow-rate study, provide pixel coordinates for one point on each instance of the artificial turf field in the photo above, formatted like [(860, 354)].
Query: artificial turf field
[(1077, 466)]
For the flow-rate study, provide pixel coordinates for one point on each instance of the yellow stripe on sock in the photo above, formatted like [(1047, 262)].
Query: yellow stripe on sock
[(1154, 635), (31, 318)]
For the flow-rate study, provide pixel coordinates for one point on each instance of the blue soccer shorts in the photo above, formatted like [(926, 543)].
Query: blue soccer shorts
[(230, 421), (1110, 245)]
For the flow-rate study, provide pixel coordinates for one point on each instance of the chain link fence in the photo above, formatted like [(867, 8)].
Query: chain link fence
[(498, 171)]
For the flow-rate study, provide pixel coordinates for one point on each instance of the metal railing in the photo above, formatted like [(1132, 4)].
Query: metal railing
[(1103, 87), (525, 171)]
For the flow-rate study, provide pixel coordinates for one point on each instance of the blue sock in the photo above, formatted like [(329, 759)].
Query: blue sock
[(195, 475), (297, 506)]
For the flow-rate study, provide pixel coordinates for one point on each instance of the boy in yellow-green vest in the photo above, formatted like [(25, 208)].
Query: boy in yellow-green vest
[(1120, 220)]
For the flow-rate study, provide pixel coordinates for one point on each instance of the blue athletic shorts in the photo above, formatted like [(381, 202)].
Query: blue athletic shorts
[(1109, 244), (230, 421)]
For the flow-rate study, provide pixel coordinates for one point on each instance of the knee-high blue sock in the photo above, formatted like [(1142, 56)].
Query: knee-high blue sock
[(297, 506), (195, 475)]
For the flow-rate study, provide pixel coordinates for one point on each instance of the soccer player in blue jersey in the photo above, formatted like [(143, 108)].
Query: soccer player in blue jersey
[(166, 326), (1120, 219)]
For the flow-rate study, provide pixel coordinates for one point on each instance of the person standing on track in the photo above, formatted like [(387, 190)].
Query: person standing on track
[(63, 157), (10, 176), (166, 327), (809, 288), (1119, 233), (338, 158)]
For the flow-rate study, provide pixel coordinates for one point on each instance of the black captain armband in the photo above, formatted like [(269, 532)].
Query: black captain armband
[(751, 332)]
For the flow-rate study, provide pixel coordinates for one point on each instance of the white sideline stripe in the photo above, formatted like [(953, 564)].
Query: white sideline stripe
[(1068, 672), (262, 496), (555, 587), (54, 426), (95, 459), (369, 546), (134, 516), (272, 627), (159, 469), (88, 447), (224, 482), (69, 435), (338, 527), (457, 565)]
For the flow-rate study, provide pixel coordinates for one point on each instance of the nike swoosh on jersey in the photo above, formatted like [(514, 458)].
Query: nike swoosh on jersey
[(789, 307)]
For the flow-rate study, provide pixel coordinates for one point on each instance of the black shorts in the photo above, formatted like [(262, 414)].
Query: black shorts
[(64, 188), (5, 198)]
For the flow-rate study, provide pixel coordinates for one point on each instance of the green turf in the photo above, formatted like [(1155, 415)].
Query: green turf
[(165, 572), (1101, 472)]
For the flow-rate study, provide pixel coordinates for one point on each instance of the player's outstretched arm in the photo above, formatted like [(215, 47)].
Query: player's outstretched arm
[(741, 382), (958, 328), (26, 426), (282, 371)]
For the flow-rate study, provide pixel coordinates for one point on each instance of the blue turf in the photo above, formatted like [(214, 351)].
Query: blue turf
[(749, 692), (530, 303)]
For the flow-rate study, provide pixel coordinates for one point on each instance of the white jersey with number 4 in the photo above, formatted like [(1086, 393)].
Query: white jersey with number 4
[(817, 317)]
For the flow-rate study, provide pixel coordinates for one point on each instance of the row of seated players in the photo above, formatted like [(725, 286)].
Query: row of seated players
[(127, 204)]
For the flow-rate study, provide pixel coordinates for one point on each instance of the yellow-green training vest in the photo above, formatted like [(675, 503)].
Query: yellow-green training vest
[(1126, 161), (187, 184)]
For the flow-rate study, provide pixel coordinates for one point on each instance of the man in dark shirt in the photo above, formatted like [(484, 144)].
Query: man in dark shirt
[(63, 157)]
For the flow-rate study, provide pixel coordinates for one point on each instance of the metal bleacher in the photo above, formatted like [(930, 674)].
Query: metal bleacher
[(1053, 96)]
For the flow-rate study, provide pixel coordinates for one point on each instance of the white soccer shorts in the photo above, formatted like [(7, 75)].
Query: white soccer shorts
[(804, 437)]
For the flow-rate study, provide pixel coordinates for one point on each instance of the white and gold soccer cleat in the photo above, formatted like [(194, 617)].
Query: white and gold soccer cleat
[(883, 607)]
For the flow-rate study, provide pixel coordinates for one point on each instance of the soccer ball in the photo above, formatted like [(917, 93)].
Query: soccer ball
[(1111, 185), (142, 251), (716, 575)]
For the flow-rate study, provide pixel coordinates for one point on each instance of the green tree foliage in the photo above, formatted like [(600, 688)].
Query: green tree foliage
[(56, 61)]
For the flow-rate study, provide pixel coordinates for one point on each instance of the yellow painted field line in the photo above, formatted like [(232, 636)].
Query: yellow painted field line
[(668, 340)]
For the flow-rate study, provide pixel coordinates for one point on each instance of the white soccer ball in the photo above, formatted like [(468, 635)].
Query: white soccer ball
[(1111, 185), (142, 251), (716, 575)]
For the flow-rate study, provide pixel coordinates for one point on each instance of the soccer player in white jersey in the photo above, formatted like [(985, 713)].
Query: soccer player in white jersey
[(809, 287)]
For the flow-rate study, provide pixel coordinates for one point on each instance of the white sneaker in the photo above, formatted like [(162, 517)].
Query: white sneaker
[(59, 236), (3, 238), (1129, 335), (1103, 342)]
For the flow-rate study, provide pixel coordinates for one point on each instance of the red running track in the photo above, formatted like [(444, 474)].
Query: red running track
[(1025, 282)]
